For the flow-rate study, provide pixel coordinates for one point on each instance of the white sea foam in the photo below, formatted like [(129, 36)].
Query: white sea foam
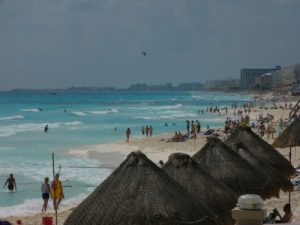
[(6, 131), (140, 108), (185, 115), (170, 106), (16, 117), (101, 112), (212, 120), (79, 113), (4, 149), (29, 207), (30, 110), (78, 169), (34, 206), (154, 117)]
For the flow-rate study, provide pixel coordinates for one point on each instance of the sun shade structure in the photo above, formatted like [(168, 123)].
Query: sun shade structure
[(261, 150), (290, 137), (140, 193), (269, 171), (219, 198), (228, 167)]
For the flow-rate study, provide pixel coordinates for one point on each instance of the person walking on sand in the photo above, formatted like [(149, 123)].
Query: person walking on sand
[(11, 183), (128, 132), (150, 131), (57, 193), (45, 189)]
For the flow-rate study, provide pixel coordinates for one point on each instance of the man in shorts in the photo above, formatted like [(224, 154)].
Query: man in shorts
[(11, 183)]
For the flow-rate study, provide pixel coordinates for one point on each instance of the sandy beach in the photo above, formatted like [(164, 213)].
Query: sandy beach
[(158, 148)]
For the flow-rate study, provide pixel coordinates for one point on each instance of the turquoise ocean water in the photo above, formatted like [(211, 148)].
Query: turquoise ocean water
[(91, 118)]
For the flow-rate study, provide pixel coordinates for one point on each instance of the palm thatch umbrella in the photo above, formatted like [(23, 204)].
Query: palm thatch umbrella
[(218, 197), (140, 193), (261, 150), (227, 166), (269, 171), (290, 137)]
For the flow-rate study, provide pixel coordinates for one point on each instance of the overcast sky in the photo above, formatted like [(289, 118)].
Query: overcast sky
[(62, 43)]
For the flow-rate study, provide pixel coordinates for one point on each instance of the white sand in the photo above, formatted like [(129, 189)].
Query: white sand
[(157, 148)]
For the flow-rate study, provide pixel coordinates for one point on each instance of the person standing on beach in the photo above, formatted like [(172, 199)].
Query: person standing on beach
[(262, 129), (150, 131), (193, 128), (11, 183), (128, 132), (188, 127), (143, 131), (198, 125), (45, 189), (57, 193)]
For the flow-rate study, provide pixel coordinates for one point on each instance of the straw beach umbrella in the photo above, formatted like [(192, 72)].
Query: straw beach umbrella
[(290, 137), (261, 150), (219, 198), (282, 181), (139, 193), (228, 167)]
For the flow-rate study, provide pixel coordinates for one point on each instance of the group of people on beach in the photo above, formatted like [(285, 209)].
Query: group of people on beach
[(55, 191), (147, 130)]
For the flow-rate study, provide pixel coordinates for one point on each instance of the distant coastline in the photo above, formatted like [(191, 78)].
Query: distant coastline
[(139, 87)]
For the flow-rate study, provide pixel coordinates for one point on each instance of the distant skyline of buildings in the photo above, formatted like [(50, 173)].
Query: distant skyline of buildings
[(280, 80), (283, 80), (248, 75)]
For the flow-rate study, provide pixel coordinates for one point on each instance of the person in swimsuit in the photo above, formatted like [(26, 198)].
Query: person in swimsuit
[(57, 193), (45, 189), (128, 132), (11, 183), (288, 215)]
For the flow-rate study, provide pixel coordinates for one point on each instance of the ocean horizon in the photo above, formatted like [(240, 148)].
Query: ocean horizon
[(77, 119)]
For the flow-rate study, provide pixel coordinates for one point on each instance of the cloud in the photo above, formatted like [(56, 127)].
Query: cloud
[(61, 43)]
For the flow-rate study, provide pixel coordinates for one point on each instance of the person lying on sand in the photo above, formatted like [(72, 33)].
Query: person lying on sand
[(178, 137)]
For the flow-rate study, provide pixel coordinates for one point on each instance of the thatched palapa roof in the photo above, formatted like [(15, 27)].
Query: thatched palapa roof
[(290, 137), (269, 171), (219, 198), (227, 166), (262, 150), (140, 193)]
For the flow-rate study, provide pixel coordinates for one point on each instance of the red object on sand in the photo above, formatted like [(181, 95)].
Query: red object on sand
[(19, 222), (47, 220)]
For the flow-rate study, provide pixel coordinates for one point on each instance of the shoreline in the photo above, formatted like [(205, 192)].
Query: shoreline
[(157, 147)]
